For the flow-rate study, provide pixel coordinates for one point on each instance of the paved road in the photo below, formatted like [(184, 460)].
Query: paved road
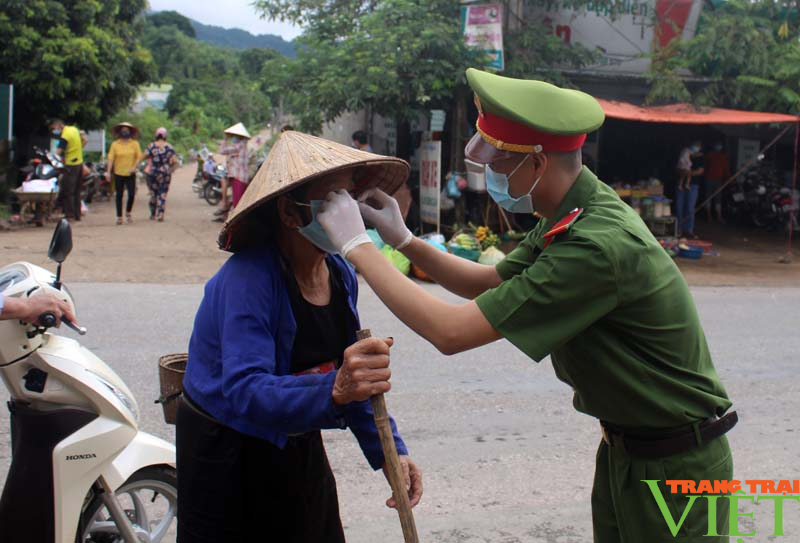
[(506, 458)]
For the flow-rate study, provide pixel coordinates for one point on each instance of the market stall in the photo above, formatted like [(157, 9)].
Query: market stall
[(638, 150)]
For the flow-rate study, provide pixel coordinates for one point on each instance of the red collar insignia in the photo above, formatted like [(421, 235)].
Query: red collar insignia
[(562, 226)]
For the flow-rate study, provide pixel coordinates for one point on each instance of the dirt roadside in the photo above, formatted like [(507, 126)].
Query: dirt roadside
[(183, 249)]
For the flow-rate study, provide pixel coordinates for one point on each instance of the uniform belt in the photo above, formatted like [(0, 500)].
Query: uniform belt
[(669, 443)]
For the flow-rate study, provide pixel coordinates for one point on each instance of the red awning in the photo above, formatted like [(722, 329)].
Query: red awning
[(687, 114)]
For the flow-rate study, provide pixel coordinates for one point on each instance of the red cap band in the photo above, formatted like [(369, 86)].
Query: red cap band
[(509, 135)]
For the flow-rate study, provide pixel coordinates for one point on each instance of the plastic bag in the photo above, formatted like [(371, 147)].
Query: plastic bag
[(397, 259), (491, 256), (452, 187), (376, 238)]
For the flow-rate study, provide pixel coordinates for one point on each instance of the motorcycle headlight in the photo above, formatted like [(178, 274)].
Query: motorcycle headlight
[(126, 400)]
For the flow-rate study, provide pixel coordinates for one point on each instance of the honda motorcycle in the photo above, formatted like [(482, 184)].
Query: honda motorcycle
[(81, 469)]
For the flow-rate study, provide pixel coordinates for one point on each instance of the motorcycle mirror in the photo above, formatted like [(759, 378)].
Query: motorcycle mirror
[(60, 247), (61, 244)]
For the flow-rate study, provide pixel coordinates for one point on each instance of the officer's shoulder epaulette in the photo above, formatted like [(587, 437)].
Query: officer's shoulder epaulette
[(562, 226)]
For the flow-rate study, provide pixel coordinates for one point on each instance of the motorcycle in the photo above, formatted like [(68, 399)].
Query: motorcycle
[(81, 470), (43, 170), (95, 184), (213, 189)]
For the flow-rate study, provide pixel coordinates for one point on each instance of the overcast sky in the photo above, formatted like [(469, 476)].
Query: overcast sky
[(227, 14)]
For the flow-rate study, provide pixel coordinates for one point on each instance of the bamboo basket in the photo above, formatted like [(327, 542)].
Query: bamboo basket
[(171, 368)]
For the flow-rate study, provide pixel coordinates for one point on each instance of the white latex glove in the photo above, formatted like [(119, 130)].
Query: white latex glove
[(341, 219), (386, 218)]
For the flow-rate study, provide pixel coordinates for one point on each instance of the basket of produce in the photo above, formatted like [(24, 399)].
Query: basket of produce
[(171, 368), (466, 246)]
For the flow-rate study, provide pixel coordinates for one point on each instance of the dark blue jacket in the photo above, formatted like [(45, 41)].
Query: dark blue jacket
[(240, 358)]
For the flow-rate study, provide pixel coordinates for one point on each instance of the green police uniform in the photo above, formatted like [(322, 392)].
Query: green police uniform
[(600, 295)]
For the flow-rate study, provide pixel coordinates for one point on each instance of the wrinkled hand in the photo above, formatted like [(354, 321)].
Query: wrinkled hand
[(365, 371), (341, 219), (382, 211), (413, 482)]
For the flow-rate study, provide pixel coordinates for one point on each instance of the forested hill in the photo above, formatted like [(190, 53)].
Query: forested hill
[(236, 38)]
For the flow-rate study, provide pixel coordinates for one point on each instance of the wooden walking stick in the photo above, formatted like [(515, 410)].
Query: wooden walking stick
[(393, 468)]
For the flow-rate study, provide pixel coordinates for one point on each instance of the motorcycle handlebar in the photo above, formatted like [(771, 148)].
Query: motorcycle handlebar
[(48, 320)]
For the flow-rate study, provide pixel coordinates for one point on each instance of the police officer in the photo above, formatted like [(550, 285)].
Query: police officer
[(589, 286)]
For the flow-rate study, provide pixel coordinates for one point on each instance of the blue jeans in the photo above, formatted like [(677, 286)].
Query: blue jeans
[(685, 200)]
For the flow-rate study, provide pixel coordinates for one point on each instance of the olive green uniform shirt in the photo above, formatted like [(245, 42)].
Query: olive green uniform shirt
[(614, 312)]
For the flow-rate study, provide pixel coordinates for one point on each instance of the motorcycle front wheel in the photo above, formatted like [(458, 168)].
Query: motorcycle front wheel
[(150, 499), (212, 195)]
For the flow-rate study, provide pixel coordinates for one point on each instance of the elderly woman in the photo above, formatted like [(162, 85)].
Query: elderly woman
[(273, 359)]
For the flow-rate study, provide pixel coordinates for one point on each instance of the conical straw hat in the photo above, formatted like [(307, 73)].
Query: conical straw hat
[(238, 130), (298, 158), (116, 129)]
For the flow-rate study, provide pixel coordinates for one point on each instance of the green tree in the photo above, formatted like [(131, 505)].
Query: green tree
[(79, 60), (373, 55), (172, 18), (391, 56), (746, 53)]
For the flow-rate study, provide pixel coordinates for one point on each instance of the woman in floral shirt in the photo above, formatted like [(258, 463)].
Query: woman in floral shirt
[(161, 157)]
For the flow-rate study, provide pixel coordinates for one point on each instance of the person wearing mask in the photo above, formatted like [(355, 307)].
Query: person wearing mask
[(361, 141), (718, 170), (70, 149), (590, 287), (124, 156), (161, 157), (237, 164), (270, 369)]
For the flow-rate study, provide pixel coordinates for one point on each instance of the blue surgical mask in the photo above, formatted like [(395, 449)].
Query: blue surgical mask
[(235, 139), (56, 131), (497, 185), (314, 232)]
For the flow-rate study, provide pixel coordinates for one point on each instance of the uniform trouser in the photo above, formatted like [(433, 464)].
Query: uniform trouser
[(69, 191), (235, 488), (624, 509)]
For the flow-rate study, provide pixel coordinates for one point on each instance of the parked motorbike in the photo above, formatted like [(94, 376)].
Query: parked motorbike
[(44, 166), (81, 470), (749, 202), (95, 185), (213, 189)]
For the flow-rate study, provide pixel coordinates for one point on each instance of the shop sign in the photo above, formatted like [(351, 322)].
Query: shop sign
[(482, 26), (747, 152), (430, 189), (633, 30)]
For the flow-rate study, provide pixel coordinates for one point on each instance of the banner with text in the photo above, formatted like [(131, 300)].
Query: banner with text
[(430, 175), (482, 26)]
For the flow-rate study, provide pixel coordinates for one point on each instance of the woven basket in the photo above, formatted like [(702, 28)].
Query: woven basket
[(171, 368)]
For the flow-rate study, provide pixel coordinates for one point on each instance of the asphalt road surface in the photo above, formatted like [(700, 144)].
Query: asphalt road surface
[(505, 457)]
